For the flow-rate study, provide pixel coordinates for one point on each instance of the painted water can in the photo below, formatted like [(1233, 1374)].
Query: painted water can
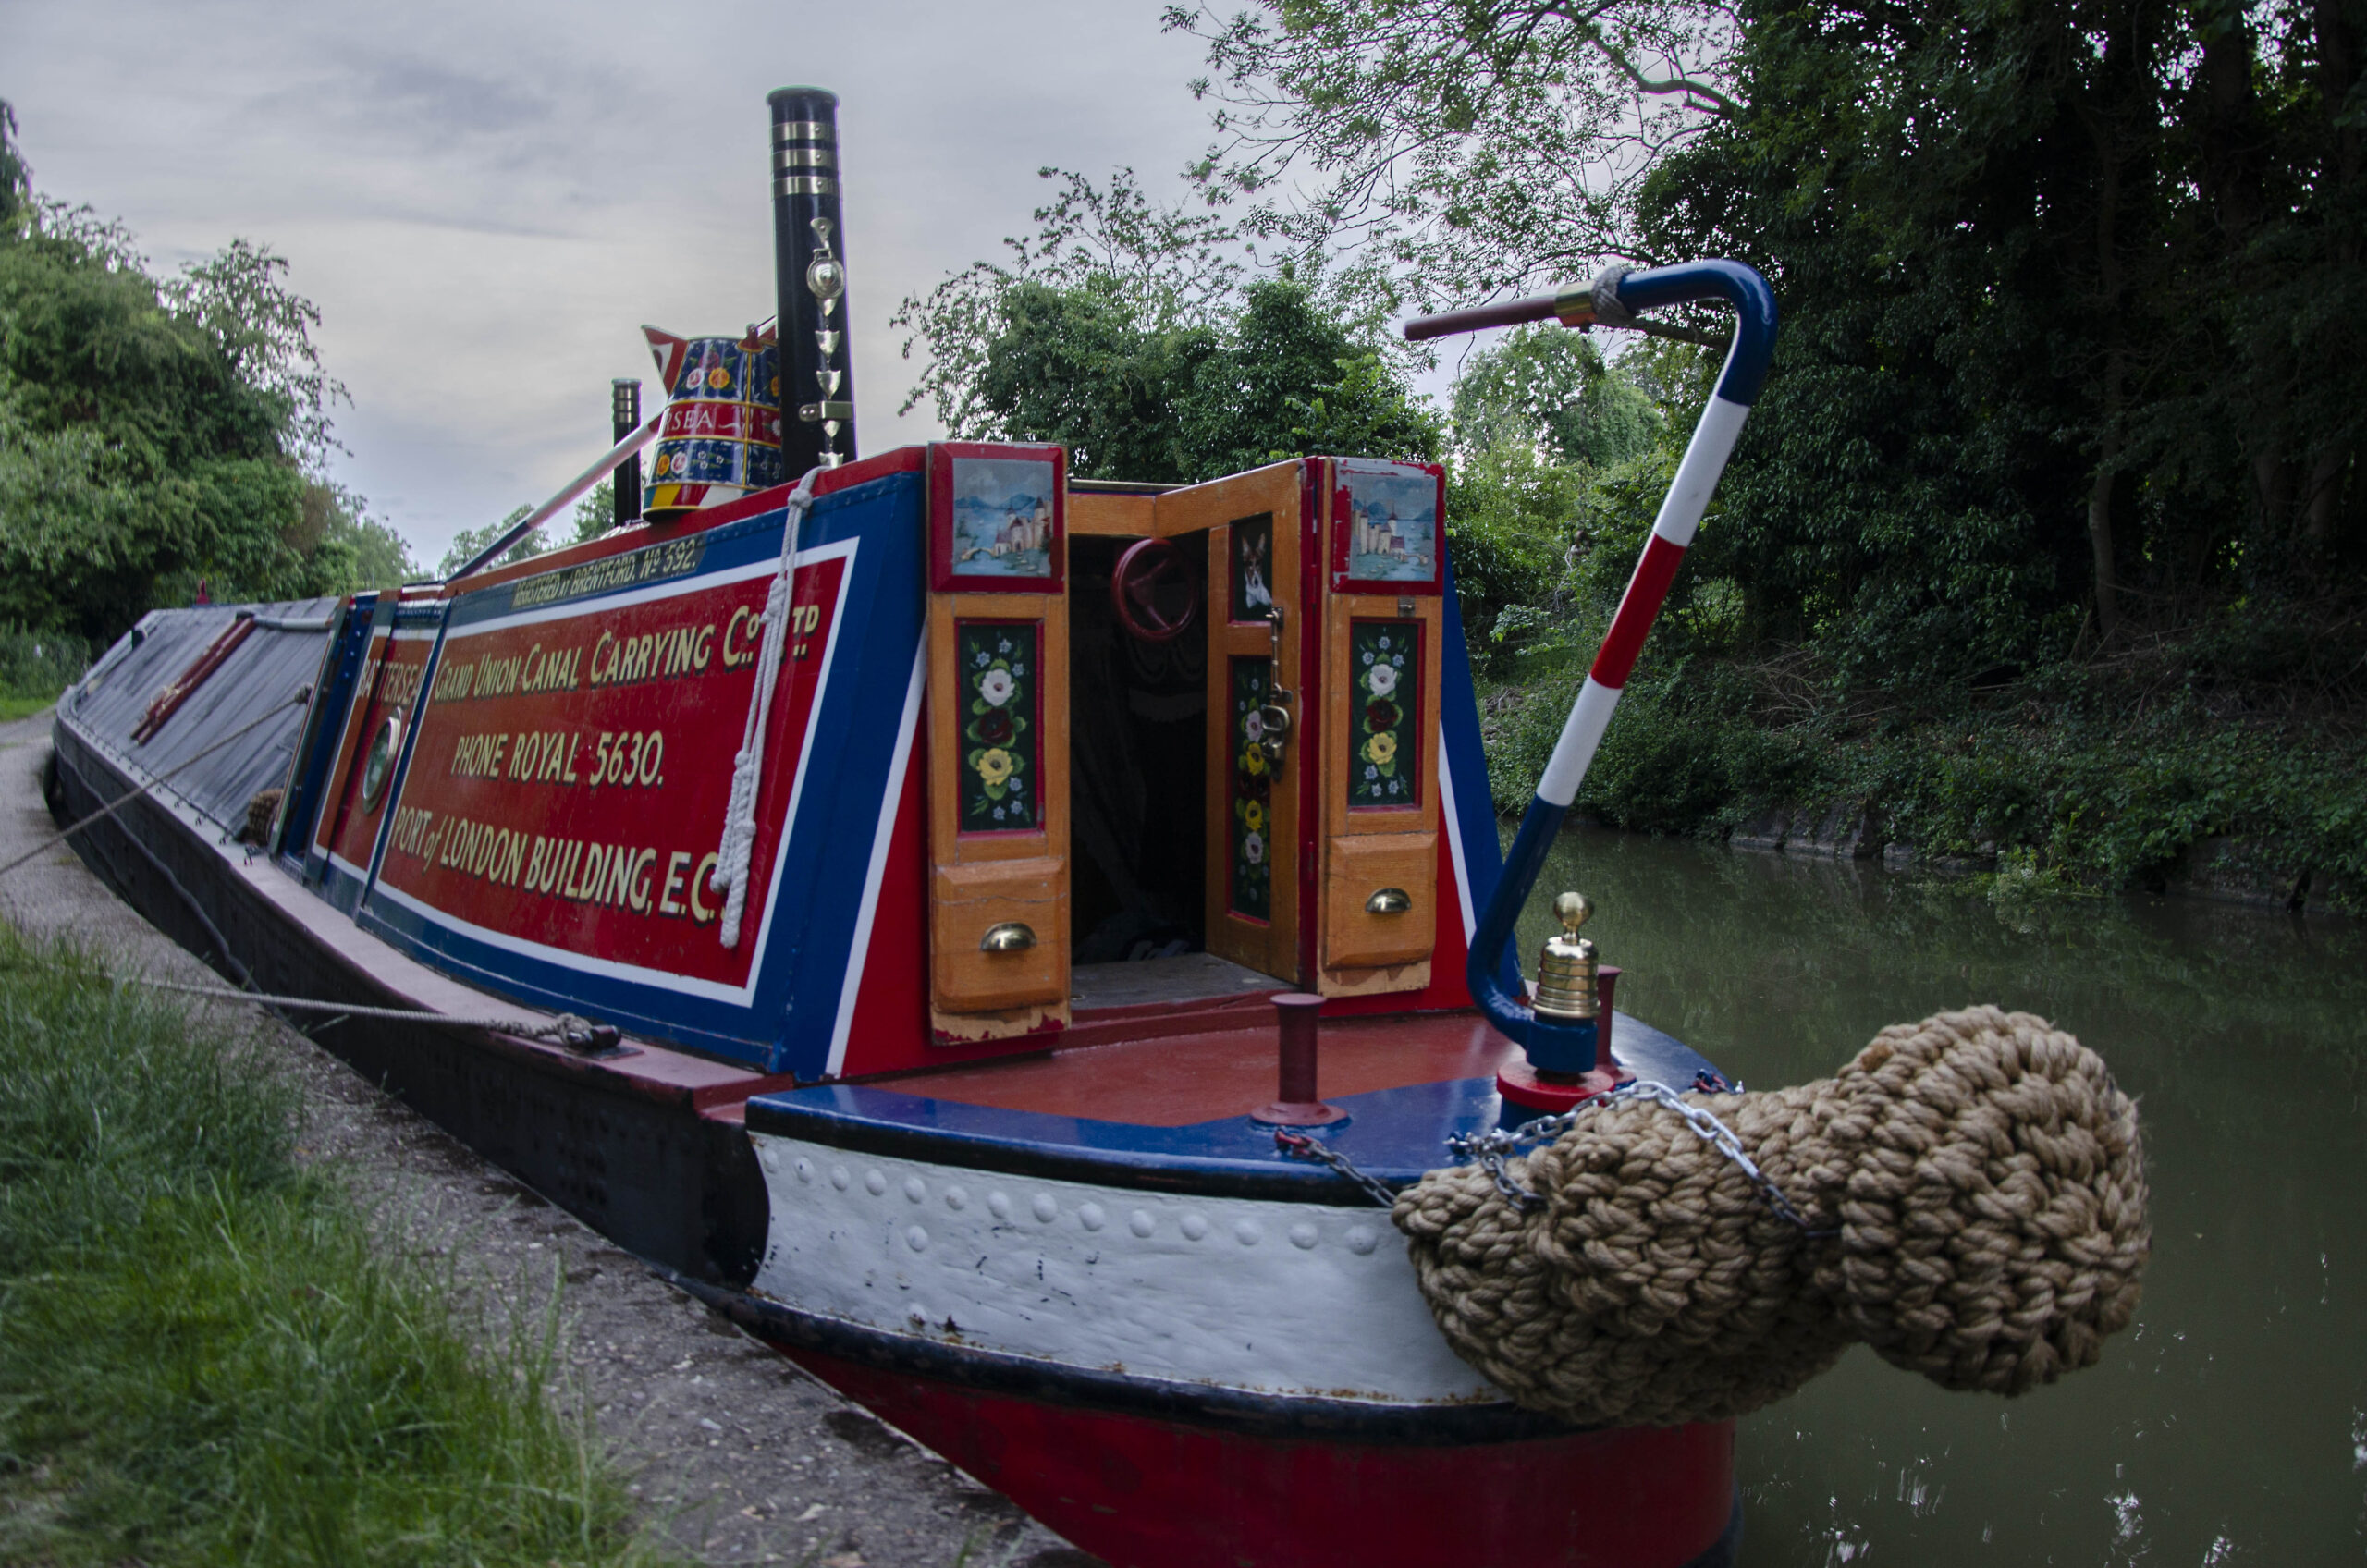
[(721, 438)]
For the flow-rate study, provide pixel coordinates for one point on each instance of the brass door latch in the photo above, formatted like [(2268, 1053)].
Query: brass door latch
[(1275, 717)]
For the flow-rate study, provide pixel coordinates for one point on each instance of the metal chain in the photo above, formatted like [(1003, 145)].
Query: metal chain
[(1298, 1145), (1491, 1149)]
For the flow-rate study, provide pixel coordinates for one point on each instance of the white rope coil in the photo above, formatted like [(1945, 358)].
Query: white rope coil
[(730, 876)]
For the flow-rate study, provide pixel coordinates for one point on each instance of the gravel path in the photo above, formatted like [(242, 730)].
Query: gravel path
[(739, 1456)]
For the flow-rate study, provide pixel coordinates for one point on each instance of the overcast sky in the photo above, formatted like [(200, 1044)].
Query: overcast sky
[(487, 199)]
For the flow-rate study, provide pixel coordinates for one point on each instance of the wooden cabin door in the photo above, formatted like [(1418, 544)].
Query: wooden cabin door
[(1381, 607), (1257, 853), (997, 739)]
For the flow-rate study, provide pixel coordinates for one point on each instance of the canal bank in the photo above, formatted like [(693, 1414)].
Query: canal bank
[(735, 1456), (2156, 776), (2228, 1425)]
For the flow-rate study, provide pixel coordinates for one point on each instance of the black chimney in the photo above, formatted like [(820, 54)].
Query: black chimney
[(809, 250), (624, 417)]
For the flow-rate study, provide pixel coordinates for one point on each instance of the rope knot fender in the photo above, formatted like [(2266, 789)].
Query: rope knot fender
[(1968, 1196), (730, 876)]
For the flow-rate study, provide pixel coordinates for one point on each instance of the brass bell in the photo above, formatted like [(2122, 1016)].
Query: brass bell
[(1566, 968)]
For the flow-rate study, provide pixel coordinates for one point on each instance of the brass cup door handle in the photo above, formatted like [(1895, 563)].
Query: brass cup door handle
[(1009, 937), (1389, 901)]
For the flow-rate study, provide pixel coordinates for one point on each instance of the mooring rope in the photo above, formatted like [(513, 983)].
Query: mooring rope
[(730, 876), (137, 790), (567, 1029), (1968, 1196)]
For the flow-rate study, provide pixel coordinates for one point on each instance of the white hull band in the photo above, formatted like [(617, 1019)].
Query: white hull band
[(1263, 1297)]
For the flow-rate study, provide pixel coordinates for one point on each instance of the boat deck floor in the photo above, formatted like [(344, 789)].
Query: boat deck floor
[(1176, 1107), (1187, 977)]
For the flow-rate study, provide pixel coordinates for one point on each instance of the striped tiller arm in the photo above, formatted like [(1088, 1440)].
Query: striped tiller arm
[(1680, 515)]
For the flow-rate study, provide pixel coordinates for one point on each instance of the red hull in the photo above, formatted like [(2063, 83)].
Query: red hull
[(1144, 1493)]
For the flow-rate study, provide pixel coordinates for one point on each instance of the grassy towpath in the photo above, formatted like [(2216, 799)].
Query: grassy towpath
[(203, 1358), (251, 1310)]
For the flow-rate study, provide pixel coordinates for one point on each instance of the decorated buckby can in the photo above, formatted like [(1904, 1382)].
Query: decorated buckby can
[(721, 438)]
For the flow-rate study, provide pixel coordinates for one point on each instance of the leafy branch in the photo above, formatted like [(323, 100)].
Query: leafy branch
[(1467, 146)]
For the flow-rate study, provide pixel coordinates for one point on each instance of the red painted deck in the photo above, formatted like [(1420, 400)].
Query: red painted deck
[(1226, 1068)]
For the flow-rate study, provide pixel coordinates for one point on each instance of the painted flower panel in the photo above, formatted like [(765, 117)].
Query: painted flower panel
[(997, 664), (1385, 663), (1250, 882)]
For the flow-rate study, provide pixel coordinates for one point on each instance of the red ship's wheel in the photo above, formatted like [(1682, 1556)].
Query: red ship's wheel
[(1154, 591)]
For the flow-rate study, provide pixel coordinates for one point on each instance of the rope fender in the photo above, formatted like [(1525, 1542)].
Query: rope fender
[(1974, 1188)]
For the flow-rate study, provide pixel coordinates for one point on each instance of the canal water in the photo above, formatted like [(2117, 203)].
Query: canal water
[(2228, 1425)]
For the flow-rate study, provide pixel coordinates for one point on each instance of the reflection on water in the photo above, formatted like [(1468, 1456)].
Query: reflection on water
[(2229, 1424)]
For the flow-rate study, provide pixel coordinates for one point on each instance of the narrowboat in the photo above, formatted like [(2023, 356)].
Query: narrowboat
[(1001, 938)]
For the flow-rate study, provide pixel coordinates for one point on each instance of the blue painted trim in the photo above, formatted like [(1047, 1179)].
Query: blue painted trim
[(1491, 953), (1555, 1046), (325, 726), (1754, 302), (1393, 1134), (342, 891), (1466, 763), (437, 615)]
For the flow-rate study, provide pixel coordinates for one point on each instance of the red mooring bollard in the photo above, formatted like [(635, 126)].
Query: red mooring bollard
[(1298, 1104)]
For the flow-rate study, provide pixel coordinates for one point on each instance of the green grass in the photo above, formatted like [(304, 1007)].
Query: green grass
[(35, 666), (203, 1359)]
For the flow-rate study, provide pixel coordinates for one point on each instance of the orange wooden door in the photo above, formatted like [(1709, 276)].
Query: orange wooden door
[(998, 743), (1256, 849), (1378, 830)]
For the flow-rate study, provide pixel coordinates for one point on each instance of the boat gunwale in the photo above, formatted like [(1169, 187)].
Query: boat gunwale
[(779, 1115)]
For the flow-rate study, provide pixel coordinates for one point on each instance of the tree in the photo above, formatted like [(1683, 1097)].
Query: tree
[(595, 514), (348, 550), (467, 543), (16, 180), (1475, 145), (2015, 386), (154, 432), (2075, 313), (1157, 268), (1552, 389), (1129, 335), (1543, 426), (1274, 379)]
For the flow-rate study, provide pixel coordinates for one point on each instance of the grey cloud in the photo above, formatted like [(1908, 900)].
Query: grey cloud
[(429, 94), (486, 198)]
